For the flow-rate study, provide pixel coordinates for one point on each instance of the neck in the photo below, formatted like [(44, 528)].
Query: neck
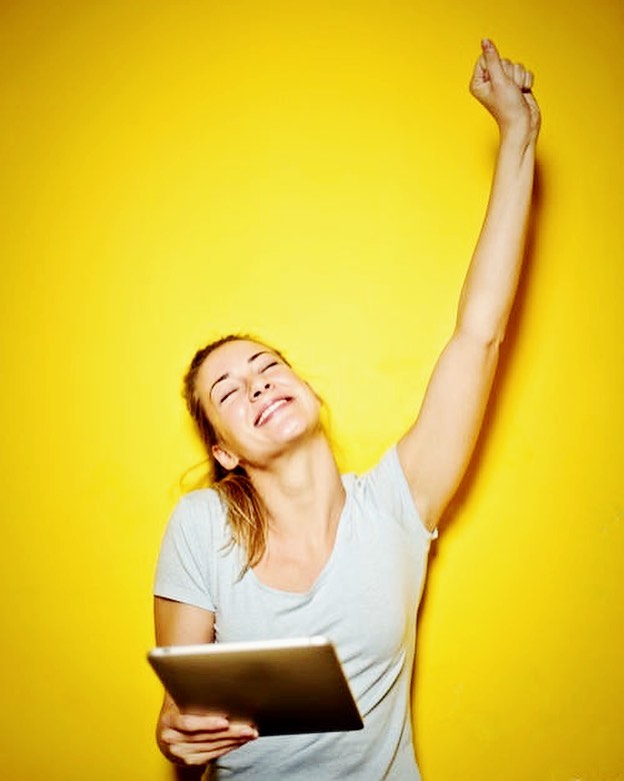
[(302, 490)]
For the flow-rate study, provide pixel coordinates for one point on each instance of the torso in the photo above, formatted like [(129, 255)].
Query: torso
[(362, 593)]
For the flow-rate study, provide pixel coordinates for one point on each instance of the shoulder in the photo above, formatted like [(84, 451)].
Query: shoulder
[(385, 476), (384, 490), (188, 561), (201, 500), (200, 513)]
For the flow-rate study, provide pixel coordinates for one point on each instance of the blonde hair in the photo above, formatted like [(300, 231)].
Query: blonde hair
[(246, 513)]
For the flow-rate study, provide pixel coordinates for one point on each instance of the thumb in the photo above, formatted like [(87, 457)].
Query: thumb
[(492, 60)]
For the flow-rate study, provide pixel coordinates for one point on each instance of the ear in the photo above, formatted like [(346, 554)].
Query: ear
[(227, 459)]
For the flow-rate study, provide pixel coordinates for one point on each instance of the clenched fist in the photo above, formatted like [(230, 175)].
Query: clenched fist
[(504, 88)]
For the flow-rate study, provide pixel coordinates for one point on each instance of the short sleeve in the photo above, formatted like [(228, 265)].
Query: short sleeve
[(386, 487), (183, 568)]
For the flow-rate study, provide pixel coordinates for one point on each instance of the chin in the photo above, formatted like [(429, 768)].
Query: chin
[(296, 433)]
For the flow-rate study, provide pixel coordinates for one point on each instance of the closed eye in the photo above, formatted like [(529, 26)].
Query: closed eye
[(269, 365), (227, 395)]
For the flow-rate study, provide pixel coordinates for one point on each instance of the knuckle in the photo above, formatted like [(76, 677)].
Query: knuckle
[(195, 759), (177, 751), (168, 736), (183, 722), (186, 722), (179, 755)]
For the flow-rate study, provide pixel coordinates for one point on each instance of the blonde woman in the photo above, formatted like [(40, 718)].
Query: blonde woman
[(283, 545)]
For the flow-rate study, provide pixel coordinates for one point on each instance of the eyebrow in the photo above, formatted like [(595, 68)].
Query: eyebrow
[(249, 360)]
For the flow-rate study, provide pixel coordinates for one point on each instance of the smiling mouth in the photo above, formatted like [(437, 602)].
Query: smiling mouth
[(266, 413)]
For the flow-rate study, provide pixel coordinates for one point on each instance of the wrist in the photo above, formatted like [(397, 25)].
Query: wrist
[(520, 129), (517, 141), (520, 133)]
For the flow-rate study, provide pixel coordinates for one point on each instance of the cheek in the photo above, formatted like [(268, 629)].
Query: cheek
[(231, 421), (220, 422), (312, 401)]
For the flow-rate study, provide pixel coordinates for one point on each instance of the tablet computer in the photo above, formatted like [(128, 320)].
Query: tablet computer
[(283, 687)]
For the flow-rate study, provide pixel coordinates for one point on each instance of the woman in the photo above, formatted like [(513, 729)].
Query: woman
[(286, 547)]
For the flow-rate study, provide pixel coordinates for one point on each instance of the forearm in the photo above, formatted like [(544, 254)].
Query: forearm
[(492, 279)]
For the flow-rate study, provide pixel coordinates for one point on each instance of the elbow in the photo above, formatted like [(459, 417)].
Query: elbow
[(488, 337), (494, 340), (485, 325)]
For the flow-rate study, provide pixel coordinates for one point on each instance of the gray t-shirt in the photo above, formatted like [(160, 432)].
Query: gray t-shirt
[(365, 600)]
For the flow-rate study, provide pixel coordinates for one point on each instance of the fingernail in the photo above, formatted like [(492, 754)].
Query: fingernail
[(249, 732), (486, 43)]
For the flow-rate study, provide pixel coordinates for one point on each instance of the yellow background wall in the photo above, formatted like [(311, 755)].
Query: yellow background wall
[(314, 172)]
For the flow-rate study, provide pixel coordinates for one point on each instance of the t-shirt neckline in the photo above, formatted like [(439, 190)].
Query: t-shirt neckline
[(347, 482)]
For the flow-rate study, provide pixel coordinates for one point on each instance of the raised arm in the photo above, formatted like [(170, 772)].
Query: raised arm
[(436, 450)]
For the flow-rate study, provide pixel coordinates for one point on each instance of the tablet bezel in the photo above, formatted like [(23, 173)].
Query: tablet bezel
[(283, 687)]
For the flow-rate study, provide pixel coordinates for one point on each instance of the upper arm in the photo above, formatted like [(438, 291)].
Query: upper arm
[(177, 623), (436, 450)]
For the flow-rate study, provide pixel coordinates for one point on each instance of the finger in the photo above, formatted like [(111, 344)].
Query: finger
[(480, 81), (192, 749), (479, 75), (173, 738), (199, 755), (187, 722), (508, 68), (492, 60), (235, 732), (243, 730), (528, 81), (518, 75), (533, 105)]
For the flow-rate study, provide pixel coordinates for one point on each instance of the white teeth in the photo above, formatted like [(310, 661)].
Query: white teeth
[(271, 408)]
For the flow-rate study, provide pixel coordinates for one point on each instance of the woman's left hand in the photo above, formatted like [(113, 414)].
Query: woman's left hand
[(504, 88)]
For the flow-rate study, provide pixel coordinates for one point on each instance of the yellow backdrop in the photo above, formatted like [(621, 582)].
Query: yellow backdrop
[(316, 173)]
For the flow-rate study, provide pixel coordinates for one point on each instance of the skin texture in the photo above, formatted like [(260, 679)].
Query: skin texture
[(239, 385), (286, 454)]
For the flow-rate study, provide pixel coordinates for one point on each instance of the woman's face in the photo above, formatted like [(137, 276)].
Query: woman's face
[(257, 404)]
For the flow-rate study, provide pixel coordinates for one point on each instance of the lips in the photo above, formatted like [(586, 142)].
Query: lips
[(268, 409)]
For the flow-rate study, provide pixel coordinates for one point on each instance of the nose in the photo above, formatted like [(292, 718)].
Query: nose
[(258, 387)]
